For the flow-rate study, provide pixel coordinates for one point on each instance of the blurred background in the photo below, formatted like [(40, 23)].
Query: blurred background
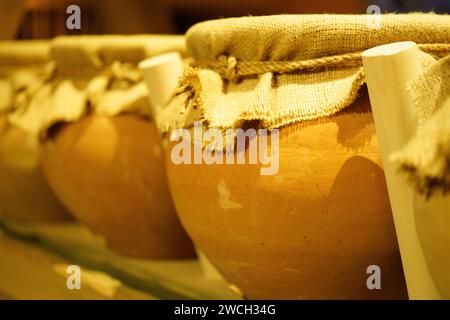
[(27, 19)]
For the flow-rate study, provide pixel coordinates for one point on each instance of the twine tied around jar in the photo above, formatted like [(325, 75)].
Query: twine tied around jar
[(231, 69)]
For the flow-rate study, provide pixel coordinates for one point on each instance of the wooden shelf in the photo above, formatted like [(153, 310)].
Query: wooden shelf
[(29, 272), (35, 258)]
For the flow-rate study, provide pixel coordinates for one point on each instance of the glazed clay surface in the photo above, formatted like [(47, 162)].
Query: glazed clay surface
[(308, 232), (109, 172)]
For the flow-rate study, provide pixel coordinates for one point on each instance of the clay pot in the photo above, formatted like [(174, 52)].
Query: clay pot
[(109, 172), (308, 232), (24, 192)]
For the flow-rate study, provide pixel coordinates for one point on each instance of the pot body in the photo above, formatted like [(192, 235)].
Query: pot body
[(24, 192), (109, 172), (311, 230)]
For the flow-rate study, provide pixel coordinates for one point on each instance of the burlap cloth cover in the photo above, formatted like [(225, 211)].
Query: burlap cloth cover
[(97, 74), (278, 70), (22, 69)]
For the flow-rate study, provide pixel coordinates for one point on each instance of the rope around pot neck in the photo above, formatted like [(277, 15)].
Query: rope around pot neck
[(231, 69)]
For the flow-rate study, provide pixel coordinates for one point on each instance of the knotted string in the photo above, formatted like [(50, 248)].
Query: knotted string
[(231, 69)]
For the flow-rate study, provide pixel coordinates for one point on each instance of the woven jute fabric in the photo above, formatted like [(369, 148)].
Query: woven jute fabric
[(92, 74), (425, 160), (278, 70), (23, 65)]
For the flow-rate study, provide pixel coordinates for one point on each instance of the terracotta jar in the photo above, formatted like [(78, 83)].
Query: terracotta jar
[(24, 192), (105, 163), (109, 171), (319, 227), (308, 232)]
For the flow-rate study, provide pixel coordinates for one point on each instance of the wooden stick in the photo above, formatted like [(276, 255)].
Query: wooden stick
[(388, 69), (161, 74)]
